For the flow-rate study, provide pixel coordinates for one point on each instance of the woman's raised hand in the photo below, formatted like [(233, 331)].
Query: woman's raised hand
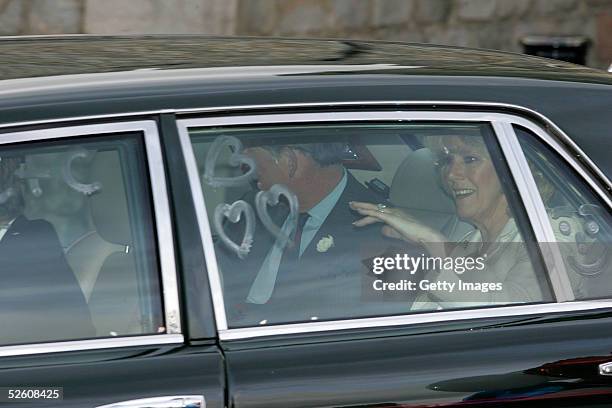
[(398, 224)]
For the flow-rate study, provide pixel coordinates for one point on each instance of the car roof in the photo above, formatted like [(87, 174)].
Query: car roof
[(42, 56), (40, 75)]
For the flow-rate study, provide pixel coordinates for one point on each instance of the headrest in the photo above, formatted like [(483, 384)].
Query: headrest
[(109, 208), (416, 184)]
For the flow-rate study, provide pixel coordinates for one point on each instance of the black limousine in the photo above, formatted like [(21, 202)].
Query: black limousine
[(222, 222)]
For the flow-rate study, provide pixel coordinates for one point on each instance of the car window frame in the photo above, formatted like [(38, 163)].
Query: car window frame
[(162, 226), (501, 122)]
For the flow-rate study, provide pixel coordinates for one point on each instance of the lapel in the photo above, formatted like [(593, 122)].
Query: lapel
[(338, 223), (16, 248)]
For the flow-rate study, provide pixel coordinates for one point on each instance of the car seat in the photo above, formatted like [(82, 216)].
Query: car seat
[(103, 260)]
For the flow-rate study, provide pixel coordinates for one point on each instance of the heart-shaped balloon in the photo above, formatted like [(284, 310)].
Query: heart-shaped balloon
[(234, 213), (271, 197), (236, 159)]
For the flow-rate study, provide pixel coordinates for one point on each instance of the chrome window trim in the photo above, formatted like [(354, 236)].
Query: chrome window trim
[(554, 144), (536, 211), (521, 174), (93, 344), (165, 238), (197, 194), (163, 227), (406, 320)]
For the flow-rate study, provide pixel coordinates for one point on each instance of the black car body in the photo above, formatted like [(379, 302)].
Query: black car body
[(141, 96)]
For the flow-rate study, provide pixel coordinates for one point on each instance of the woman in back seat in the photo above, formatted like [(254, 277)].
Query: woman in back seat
[(470, 178), (40, 298)]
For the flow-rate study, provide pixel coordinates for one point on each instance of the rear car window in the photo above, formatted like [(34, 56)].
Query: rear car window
[(581, 223), (323, 222), (77, 245)]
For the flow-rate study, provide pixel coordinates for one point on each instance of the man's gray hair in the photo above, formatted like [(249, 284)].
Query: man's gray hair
[(325, 154)]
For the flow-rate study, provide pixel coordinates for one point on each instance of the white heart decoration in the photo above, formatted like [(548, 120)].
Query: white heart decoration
[(233, 213), (271, 197), (236, 159), (83, 188)]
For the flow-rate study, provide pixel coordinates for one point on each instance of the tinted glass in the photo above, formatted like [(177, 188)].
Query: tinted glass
[(77, 251), (326, 222), (581, 222)]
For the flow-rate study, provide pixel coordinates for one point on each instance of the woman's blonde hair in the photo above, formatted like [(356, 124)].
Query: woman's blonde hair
[(437, 146)]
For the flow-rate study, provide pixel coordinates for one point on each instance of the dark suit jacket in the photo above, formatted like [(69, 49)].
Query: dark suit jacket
[(321, 285), (40, 298)]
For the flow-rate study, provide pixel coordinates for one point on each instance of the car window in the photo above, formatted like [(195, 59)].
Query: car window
[(581, 223), (77, 251), (324, 222)]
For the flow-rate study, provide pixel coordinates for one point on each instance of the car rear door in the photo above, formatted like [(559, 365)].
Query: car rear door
[(99, 194), (546, 350)]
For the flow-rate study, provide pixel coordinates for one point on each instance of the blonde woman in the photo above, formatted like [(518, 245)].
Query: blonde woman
[(468, 175)]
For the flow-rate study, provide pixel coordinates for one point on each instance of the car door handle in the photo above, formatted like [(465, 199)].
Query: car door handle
[(605, 369), (175, 401)]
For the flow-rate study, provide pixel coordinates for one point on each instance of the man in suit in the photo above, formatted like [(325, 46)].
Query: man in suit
[(40, 298), (321, 275)]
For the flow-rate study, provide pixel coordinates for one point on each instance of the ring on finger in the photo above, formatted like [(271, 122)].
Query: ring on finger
[(381, 208)]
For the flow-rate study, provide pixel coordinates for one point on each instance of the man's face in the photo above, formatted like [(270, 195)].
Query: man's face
[(270, 170)]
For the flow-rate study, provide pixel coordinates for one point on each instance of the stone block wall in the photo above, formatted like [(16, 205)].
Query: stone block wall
[(495, 24)]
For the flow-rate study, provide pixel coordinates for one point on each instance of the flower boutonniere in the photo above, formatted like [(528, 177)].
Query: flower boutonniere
[(325, 243)]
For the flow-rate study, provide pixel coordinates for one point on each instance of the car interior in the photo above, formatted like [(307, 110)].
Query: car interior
[(394, 164), (87, 194), (96, 230), (398, 168)]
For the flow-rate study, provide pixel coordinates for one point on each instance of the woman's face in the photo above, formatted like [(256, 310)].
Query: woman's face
[(470, 177)]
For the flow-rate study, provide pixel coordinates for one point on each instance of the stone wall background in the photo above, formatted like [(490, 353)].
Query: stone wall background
[(495, 24)]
